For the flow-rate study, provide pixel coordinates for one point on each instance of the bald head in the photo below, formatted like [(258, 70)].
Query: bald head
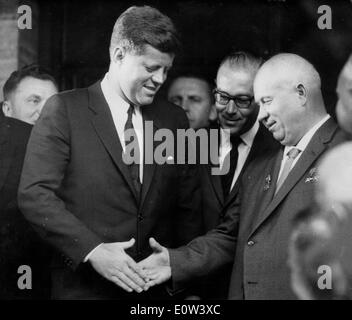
[(287, 88), (335, 172), (289, 69)]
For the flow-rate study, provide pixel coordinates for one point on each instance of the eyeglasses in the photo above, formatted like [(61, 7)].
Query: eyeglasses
[(242, 102)]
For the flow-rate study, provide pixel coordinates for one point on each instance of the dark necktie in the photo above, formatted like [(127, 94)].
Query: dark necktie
[(226, 179), (133, 167)]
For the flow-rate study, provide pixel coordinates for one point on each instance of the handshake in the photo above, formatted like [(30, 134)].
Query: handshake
[(112, 262)]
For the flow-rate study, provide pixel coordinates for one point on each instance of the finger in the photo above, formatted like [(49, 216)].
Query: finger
[(135, 277), (122, 285), (152, 275), (155, 245), (150, 284), (137, 268), (130, 283), (127, 244), (144, 263)]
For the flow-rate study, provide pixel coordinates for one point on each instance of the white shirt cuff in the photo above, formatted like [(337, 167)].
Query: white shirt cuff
[(90, 253)]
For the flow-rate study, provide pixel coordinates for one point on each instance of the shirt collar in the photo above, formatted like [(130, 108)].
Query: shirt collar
[(113, 99), (303, 143), (247, 137)]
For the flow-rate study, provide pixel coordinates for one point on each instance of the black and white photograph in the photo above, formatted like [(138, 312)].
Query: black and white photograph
[(175, 154)]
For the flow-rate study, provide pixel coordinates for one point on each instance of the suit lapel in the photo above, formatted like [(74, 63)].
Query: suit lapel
[(215, 180), (314, 149), (104, 126), (149, 144), (4, 149), (259, 146)]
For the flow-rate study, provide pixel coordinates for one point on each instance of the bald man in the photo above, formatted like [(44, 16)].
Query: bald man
[(344, 92), (275, 188)]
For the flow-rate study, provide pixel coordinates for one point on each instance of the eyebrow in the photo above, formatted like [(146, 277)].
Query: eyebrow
[(34, 96)]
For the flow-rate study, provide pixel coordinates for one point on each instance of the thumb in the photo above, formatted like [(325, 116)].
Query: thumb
[(156, 246), (127, 244)]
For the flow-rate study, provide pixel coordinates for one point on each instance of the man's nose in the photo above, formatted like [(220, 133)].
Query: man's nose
[(159, 76), (185, 104), (231, 107), (263, 114)]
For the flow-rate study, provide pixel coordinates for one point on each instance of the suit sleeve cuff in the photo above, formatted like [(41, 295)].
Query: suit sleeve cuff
[(90, 253)]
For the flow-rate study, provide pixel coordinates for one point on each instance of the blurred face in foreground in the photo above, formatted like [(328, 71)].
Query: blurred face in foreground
[(344, 92)]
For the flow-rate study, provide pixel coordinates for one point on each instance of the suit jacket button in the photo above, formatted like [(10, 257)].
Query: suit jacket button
[(250, 243)]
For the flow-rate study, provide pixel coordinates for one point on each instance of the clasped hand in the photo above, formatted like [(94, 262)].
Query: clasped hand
[(112, 262)]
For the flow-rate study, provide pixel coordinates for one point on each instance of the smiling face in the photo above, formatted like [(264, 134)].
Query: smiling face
[(235, 83), (140, 76), (194, 96), (25, 103), (280, 109)]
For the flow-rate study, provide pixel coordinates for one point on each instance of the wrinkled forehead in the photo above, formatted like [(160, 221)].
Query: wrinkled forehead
[(34, 86)]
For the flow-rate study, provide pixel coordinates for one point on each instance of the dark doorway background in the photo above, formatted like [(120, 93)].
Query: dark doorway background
[(74, 35)]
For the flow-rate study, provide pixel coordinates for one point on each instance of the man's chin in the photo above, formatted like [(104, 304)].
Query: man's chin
[(146, 100)]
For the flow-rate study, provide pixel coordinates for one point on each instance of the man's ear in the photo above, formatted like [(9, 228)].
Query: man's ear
[(118, 54), (212, 113), (302, 93), (6, 108)]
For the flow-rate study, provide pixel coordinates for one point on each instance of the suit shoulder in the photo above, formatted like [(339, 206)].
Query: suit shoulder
[(17, 129), (72, 95), (168, 110)]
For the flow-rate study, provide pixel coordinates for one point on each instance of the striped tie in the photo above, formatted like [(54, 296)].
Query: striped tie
[(133, 167), (292, 155)]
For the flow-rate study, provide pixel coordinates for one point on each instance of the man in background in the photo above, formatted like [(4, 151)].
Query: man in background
[(25, 92), (194, 95)]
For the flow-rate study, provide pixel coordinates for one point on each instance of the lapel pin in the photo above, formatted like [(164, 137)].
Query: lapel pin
[(267, 182), (312, 176)]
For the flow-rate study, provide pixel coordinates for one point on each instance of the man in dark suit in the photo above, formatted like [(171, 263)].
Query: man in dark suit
[(25, 93), (275, 188), (79, 188)]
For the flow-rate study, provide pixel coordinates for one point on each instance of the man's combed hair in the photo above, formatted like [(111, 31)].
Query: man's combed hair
[(140, 26), (243, 59), (33, 70)]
